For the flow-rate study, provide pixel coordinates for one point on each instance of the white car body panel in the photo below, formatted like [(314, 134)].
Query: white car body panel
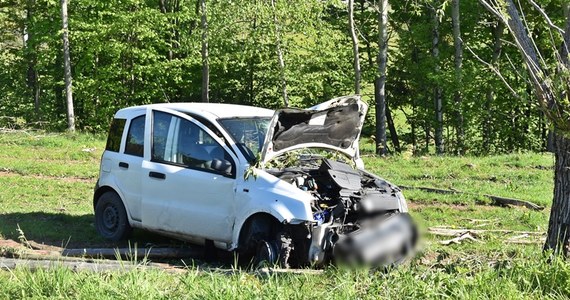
[(197, 205), (187, 201), (181, 208), (266, 193)]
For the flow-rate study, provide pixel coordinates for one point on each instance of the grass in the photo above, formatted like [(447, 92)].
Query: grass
[(46, 183), (526, 176), (512, 280)]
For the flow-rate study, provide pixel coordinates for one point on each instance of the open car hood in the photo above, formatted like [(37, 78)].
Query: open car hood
[(335, 124)]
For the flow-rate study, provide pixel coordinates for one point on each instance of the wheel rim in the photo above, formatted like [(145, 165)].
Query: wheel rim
[(110, 218)]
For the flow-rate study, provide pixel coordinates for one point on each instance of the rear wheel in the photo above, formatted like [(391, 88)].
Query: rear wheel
[(111, 217)]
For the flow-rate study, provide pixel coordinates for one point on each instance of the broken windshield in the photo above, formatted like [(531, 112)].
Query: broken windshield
[(248, 134)]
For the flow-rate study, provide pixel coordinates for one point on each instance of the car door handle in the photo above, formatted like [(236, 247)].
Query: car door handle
[(123, 165), (157, 175)]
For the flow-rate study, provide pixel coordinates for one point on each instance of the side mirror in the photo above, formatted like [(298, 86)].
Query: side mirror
[(222, 166)]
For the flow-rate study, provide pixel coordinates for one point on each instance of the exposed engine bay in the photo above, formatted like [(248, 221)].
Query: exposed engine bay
[(358, 217)]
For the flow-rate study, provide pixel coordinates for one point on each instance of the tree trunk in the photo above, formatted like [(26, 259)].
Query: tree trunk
[(280, 56), (559, 224), (354, 47), (393, 133), (171, 7), (67, 70), (380, 88), (438, 102), (205, 64), (367, 37), (490, 97), (164, 10), (558, 236), (414, 120), (458, 45), (413, 131), (31, 57), (427, 129), (251, 62), (550, 142)]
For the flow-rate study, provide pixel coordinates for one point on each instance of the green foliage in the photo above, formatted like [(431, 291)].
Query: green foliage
[(139, 51)]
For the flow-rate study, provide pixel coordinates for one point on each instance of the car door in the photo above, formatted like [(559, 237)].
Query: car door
[(181, 190), (129, 166)]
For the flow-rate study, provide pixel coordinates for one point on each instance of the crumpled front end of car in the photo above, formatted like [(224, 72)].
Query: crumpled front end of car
[(358, 218)]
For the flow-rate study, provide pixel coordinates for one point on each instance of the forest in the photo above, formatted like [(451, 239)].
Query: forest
[(454, 80)]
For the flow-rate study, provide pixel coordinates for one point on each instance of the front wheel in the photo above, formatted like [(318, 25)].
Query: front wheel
[(273, 251), (111, 217)]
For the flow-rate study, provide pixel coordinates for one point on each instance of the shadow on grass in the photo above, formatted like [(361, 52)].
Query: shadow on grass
[(55, 229), (78, 231)]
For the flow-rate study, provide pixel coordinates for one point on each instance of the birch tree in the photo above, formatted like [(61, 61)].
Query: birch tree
[(67, 66), (437, 94), (552, 90), (354, 38), (458, 45), (280, 55)]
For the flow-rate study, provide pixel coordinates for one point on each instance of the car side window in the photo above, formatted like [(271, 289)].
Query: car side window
[(179, 141), (115, 135), (135, 137)]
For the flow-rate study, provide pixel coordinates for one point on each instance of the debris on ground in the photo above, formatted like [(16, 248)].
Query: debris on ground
[(457, 240), (496, 200), (459, 234)]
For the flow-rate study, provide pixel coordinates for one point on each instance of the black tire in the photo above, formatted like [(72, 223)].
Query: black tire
[(273, 251), (111, 217), (265, 254)]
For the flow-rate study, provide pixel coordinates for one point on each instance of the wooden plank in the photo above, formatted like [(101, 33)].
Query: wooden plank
[(132, 252)]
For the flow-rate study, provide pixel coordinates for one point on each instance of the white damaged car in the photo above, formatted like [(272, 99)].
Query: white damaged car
[(287, 187)]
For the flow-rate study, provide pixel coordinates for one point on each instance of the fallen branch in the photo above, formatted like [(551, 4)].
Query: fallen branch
[(522, 239), (496, 199), (509, 201), (431, 190), (456, 232), (457, 240), (524, 242)]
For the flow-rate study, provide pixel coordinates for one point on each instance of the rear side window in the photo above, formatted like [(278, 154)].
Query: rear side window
[(135, 137), (115, 135)]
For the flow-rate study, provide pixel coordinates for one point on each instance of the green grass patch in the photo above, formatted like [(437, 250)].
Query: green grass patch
[(57, 155), (514, 279), (525, 176)]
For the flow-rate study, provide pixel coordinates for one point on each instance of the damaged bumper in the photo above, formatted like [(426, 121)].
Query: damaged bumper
[(384, 241)]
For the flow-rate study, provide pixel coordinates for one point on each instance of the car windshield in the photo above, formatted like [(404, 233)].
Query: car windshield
[(248, 134)]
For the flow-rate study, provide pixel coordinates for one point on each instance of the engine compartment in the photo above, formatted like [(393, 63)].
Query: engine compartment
[(342, 195)]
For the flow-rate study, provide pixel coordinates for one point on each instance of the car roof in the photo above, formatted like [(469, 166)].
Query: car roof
[(212, 110)]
